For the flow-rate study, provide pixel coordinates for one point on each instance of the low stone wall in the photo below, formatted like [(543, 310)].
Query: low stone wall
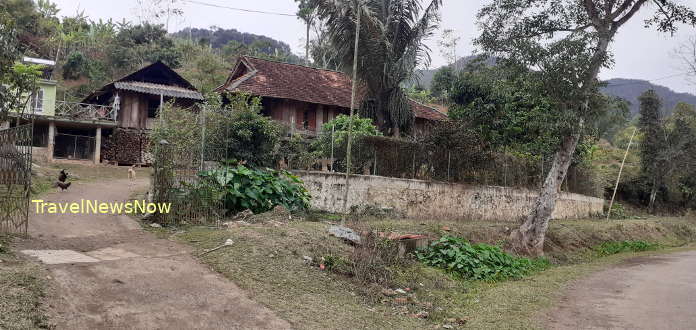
[(40, 155), (437, 200)]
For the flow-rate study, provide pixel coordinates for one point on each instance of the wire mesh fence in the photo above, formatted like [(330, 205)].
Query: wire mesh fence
[(470, 163), (15, 178)]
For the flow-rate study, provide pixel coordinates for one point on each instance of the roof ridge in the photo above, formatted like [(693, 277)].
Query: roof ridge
[(293, 64)]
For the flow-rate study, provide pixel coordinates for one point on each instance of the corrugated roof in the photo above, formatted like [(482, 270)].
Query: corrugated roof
[(158, 89), (301, 83)]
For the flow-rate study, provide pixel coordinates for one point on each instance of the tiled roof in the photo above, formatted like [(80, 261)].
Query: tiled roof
[(301, 83), (159, 89), (426, 112)]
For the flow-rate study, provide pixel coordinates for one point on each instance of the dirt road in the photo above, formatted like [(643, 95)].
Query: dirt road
[(644, 293), (110, 274)]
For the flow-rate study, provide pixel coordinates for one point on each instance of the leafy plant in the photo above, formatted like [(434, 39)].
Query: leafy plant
[(259, 190), (609, 248), (477, 261)]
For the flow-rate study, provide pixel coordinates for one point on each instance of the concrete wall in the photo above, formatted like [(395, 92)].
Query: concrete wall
[(436, 200)]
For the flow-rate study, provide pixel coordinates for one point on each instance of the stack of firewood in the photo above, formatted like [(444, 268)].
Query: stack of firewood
[(127, 147)]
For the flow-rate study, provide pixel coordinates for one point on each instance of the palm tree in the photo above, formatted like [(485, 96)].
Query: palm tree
[(390, 48)]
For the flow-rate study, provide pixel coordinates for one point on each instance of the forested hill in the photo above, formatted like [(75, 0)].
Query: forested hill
[(631, 89), (219, 38)]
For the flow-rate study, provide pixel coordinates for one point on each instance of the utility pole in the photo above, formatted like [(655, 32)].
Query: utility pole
[(352, 107), (618, 178)]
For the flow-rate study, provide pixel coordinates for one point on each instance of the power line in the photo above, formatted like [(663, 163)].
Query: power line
[(650, 80), (239, 9)]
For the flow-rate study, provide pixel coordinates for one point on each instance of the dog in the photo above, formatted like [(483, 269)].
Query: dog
[(131, 173)]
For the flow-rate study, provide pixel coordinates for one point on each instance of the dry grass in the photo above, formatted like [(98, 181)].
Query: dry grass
[(267, 261), (22, 291), (47, 174)]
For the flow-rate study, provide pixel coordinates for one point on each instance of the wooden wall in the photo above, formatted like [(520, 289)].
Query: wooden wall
[(291, 111), (133, 111)]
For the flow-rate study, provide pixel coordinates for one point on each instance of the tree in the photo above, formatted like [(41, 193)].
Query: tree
[(242, 133), (334, 139), (568, 43), (615, 116), (390, 48), (654, 141), (448, 46), (9, 53), (307, 13), (443, 81), (687, 54)]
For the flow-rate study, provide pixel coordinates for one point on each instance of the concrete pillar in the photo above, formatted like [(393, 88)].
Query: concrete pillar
[(51, 141), (97, 145)]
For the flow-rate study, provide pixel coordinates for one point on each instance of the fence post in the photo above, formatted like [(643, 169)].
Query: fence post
[(333, 129), (374, 162), (202, 113), (414, 164), (449, 164)]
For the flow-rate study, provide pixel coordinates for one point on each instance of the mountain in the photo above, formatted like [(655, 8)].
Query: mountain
[(631, 89), (218, 38)]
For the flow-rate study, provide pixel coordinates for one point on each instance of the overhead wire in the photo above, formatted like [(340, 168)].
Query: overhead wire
[(202, 3)]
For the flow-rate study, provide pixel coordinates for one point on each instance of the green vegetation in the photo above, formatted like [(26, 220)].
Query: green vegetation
[(477, 261), (609, 248), (333, 140), (259, 190)]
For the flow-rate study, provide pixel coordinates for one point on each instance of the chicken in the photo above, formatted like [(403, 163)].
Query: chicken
[(63, 186), (62, 176)]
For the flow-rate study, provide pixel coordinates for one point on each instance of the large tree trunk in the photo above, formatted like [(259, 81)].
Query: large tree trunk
[(529, 238)]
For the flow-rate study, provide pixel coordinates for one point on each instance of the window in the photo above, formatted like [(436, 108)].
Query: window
[(153, 108), (305, 120), (37, 101)]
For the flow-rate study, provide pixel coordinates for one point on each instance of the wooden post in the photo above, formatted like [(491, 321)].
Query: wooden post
[(97, 145)]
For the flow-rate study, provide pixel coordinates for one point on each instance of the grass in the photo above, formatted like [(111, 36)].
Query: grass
[(268, 261), (22, 291), (609, 248)]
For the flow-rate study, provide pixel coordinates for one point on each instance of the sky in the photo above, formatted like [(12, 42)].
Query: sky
[(640, 53)]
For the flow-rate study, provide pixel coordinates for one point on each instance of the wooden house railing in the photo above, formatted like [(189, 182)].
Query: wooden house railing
[(84, 111)]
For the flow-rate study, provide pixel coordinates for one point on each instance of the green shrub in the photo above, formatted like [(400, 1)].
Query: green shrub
[(618, 211), (609, 248), (477, 261), (259, 190)]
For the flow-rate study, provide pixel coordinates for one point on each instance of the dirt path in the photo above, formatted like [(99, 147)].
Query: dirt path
[(110, 274), (644, 293)]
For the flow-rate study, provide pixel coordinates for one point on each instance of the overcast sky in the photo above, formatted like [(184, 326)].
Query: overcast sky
[(640, 53)]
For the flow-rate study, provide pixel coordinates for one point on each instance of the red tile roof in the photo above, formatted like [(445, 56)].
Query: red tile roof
[(301, 83)]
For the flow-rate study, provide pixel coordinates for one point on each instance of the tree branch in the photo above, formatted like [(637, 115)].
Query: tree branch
[(630, 13)]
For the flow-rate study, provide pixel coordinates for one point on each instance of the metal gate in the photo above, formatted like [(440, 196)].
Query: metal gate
[(68, 146), (15, 178)]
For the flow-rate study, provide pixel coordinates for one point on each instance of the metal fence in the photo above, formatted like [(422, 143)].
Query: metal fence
[(15, 178), (68, 146), (468, 163)]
